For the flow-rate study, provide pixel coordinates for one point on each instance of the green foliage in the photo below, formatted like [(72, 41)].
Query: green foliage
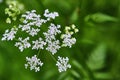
[(100, 18), (96, 60)]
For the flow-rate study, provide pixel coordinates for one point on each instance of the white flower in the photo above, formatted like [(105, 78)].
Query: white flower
[(10, 35), (38, 44), (33, 31), (39, 22), (68, 40), (30, 15), (48, 37), (25, 27), (62, 64), (33, 63), (52, 32), (22, 44), (53, 46), (51, 15), (31, 19)]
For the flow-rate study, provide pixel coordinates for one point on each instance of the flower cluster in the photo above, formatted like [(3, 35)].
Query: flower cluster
[(51, 15), (31, 25), (62, 64), (68, 40), (13, 11), (9, 34), (38, 44), (22, 44), (31, 19), (53, 43), (34, 63)]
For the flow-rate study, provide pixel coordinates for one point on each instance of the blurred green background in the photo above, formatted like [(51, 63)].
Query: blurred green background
[(95, 56)]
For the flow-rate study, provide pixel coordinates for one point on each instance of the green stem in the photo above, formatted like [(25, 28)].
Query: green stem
[(53, 57), (38, 52)]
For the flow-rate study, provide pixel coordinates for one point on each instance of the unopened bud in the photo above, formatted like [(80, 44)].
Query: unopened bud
[(76, 30), (73, 26)]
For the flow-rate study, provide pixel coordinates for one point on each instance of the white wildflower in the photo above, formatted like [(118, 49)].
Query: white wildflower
[(62, 64), (33, 31), (30, 15), (25, 27), (51, 15), (31, 19), (23, 43), (34, 63), (49, 37), (52, 32), (68, 40), (53, 46), (9, 34), (38, 44)]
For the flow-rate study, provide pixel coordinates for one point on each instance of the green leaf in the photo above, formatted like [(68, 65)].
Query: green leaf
[(97, 58), (81, 69), (100, 18), (75, 73), (103, 76), (75, 15)]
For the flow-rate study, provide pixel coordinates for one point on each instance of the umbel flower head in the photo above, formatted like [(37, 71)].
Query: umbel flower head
[(38, 44), (62, 64), (31, 24), (31, 19), (23, 43), (68, 40), (33, 63), (9, 34)]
